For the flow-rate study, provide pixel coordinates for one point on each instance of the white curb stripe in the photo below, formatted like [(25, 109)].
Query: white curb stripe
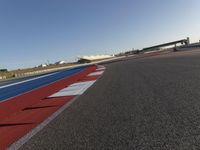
[(100, 69), (74, 89), (100, 66), (96, 73)]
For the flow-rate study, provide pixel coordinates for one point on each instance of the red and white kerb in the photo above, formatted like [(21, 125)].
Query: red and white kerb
[(79, 88)]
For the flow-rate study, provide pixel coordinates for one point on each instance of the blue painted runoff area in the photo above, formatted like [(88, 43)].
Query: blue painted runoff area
[(14, 80), (18, 89)]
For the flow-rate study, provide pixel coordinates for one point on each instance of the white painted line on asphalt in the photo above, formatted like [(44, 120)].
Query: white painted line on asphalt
[(96, 73), (100, 66), (8, 85), (74, 89), (98, 69), (34, 131)]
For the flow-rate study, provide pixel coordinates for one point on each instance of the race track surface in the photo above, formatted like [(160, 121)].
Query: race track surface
[(140, 104)]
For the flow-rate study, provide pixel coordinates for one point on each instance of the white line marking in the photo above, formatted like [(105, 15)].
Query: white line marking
[(34, 131), (74, 89), (100, 66), (1, 87), (96, 73), (100, 69)]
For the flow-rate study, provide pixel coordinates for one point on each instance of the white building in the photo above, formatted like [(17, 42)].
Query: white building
[(43, 65)]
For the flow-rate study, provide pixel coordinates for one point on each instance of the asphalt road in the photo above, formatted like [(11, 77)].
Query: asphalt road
[(141, 104)]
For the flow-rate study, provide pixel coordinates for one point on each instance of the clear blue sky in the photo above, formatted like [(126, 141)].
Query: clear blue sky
[(34, 31)]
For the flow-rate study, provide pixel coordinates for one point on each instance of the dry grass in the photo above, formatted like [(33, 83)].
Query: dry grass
[(21, 72)]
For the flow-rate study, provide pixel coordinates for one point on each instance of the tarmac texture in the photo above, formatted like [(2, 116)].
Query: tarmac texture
[(150, 103)]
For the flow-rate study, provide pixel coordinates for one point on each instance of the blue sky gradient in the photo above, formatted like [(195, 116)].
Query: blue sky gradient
[(34, 31)]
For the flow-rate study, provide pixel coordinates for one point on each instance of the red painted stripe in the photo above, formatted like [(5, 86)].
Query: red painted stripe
[(88, 78), (21, 122), (20, 102)]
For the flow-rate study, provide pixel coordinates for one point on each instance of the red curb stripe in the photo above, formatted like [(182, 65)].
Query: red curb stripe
[(20, 102), (20, 123)]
